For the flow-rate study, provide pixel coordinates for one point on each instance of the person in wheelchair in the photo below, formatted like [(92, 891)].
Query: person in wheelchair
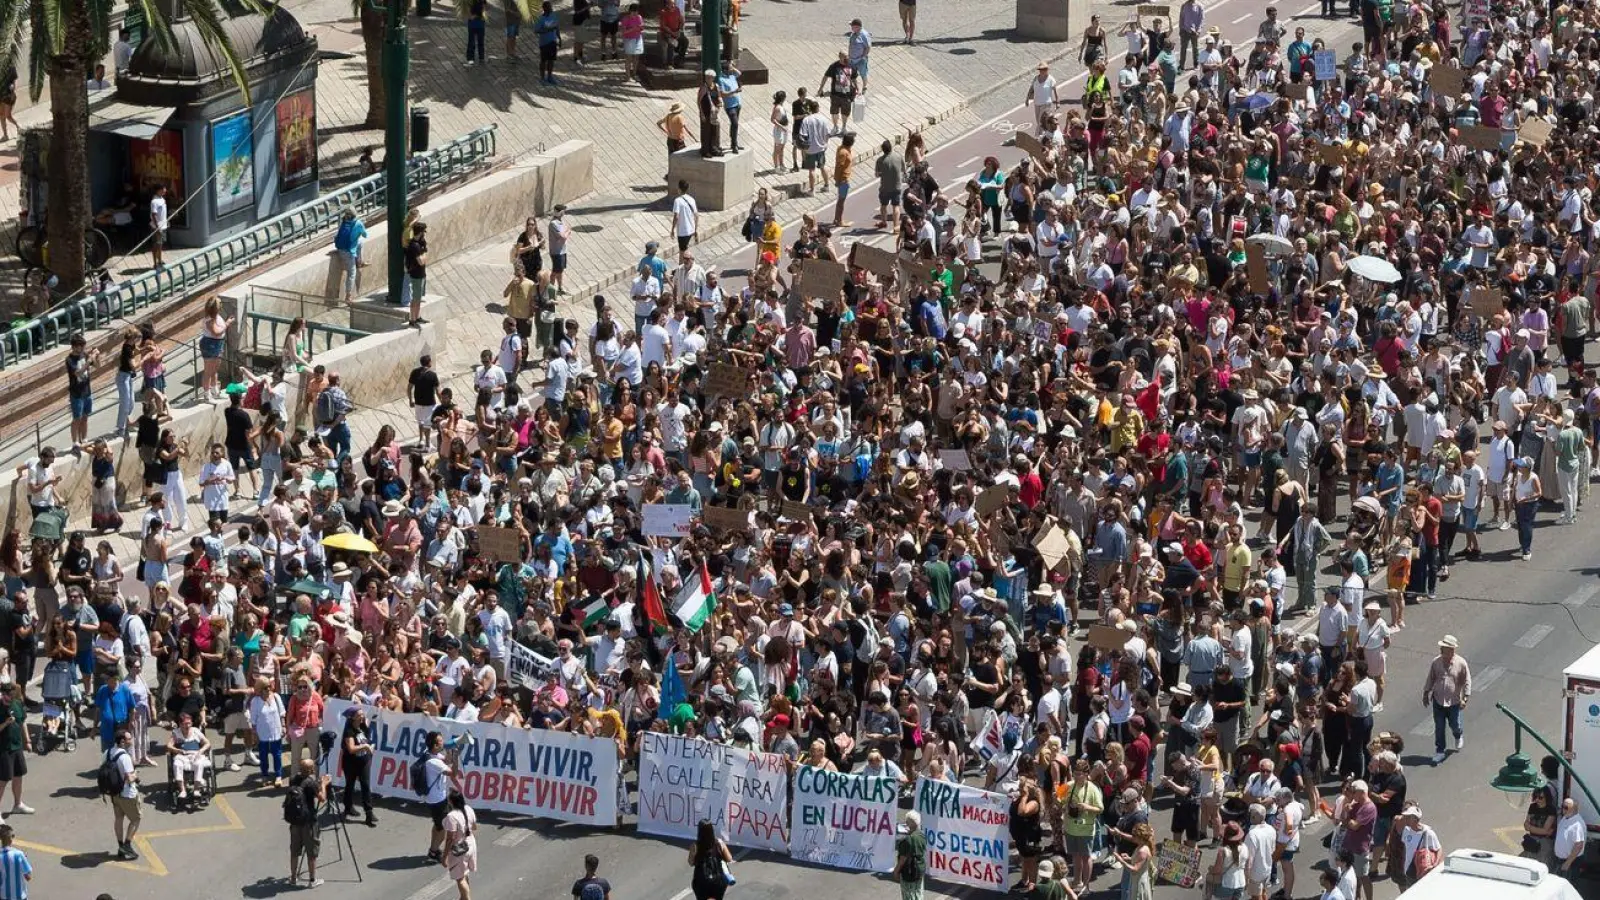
[(189, 750)]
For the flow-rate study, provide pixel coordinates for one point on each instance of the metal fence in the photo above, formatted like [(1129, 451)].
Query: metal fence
[(211, 264), (183, 365), (269, 312)]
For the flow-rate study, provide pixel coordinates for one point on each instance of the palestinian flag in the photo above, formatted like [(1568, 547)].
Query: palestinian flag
[(595, 609), (696, 601), (650, 594)]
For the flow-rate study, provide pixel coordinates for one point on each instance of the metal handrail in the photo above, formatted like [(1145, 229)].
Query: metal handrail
[(313, 330), (54, 431), (55, 327)]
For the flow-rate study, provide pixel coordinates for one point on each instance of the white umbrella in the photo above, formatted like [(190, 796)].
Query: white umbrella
[(1375, 268), (1271, 243)]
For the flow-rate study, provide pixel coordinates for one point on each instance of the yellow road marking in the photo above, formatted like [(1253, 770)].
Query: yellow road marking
[(1511, 836), (150, 862)]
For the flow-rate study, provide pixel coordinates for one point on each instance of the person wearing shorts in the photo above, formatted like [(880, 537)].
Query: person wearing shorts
[(908, 20)]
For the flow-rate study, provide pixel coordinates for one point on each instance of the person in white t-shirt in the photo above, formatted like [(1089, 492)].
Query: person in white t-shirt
[(1291, 815), (685, 216), (1260, 841), (1042, 94)]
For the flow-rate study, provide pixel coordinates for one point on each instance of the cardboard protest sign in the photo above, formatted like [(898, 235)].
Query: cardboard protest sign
[(1536, 132), (991, 499), (669, 520), (503, 545), (1446, 80), (1255, 260), (1475, 11), (1481, 137), (1485, 300), (1297, 91), (1329, 154), (725, 380), (845, 821), (821, 278), (881, 263), (955, 460), (683, 780), (1107, 637), (795, 510), (1031, 145), (723, 518), (1052, 545), (548, 774)]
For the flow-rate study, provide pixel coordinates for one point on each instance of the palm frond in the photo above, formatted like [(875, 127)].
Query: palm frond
[(13, 18), (524, 7), (156, 21), (209, 19), (53, 21), (99, 12)]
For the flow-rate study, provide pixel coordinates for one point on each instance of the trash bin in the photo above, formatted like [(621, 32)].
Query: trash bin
[(419, 129)]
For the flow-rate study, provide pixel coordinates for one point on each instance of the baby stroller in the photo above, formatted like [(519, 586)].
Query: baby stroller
[(63, 698)]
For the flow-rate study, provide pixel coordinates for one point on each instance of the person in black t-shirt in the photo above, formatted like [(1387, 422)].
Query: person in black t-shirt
[(416, 280), (80, 395), (236, 419), (424, 392)]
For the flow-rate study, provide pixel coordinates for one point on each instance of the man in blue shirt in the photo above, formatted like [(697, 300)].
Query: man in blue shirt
[(476, 24), (1299, 54), (548, 30), (728, 87), (15, 870), (114, 702)]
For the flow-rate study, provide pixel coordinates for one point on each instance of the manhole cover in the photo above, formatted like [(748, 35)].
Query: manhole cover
[(588, 229)]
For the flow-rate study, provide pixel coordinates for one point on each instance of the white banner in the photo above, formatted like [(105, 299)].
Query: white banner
[(845, 821), (968, 832), (543, 773), (527, 668), (670, 520), (683, 780)]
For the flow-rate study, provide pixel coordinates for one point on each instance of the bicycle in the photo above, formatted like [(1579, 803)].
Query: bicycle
[(32, 246)]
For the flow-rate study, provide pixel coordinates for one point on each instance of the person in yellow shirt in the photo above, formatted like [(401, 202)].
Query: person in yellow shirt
[(1236, 562), (844, 161), (1127, 425)]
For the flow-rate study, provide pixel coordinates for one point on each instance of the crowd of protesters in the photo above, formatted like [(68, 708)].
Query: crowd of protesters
[(1258, 347)]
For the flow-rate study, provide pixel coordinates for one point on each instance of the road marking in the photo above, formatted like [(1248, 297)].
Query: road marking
[(1241, 18), (221, 803), (1531, 638), (150, 863), (433, 888), (1488, 678), (1582, 595), (1425, 727), (967, 162), (513, 837), (1310, 9)]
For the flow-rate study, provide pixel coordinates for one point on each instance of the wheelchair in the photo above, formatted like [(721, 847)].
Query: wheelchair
[(199, 794)]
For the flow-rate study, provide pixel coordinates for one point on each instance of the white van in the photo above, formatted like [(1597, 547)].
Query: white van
[(1481, 875)]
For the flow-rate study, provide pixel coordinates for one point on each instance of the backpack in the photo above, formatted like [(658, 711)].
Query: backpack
[(295, 809), (868, 648), (326, 411), (419, 775), (110, 778), (592, 891)]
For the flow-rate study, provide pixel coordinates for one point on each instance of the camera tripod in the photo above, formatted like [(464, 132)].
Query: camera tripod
[(332, 808)]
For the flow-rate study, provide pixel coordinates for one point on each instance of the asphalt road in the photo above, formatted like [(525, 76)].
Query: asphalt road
[(1519, 624)]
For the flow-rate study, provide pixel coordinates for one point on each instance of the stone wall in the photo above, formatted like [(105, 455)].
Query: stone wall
[(373, 370)]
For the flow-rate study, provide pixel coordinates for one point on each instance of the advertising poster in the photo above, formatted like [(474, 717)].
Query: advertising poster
[(233, 163), (160, 161), (968, 832), (297, 140), (547, 774), (845, 821), (683, 780)]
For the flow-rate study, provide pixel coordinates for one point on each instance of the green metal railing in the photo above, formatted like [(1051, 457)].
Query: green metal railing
[(211, 264), (330, 335)]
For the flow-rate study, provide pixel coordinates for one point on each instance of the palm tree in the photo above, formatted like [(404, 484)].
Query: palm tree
[(373, 21), (65, 39)]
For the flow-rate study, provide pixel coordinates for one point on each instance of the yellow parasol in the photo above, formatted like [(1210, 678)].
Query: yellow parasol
[(352, 542)]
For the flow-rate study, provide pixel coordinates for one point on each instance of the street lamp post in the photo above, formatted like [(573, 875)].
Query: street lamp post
[(396, 70), (711, 36), (1519, 775)]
